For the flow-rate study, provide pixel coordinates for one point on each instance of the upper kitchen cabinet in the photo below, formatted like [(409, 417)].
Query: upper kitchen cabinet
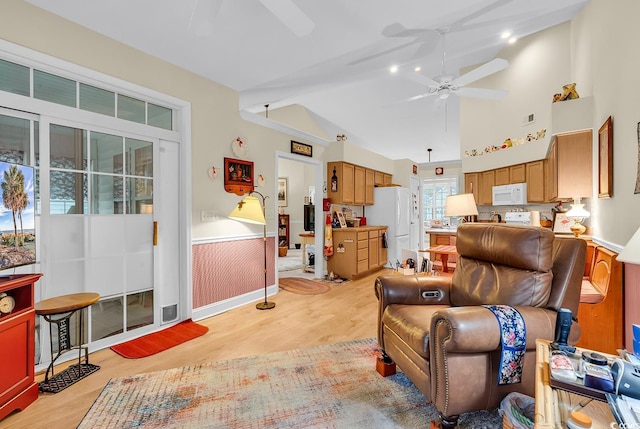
[(471, 185), (485, 194), (570, 166), (369, 185), (535, 181), (352, 184), (359, 188), (510, 175), (341, 178)]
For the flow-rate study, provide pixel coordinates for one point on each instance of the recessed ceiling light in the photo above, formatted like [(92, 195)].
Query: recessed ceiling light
[(417, 69), (506, 34), (513, 40), (393, 69)]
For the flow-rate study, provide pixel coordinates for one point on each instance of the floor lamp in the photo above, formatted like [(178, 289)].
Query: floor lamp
[(251, 210)]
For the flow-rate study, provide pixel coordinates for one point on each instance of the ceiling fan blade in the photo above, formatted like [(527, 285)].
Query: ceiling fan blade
[(493, 94), (423, 95), (290, 15), (484, 70), (202, 17), (423, 80)]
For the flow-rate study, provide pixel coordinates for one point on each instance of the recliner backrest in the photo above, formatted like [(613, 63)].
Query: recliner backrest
[(503, 264)]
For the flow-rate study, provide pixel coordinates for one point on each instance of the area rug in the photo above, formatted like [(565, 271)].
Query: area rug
[(159, 341), (302, 286), (290, 263), (331, 386)]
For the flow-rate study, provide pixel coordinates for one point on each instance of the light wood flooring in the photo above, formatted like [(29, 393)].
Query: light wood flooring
[(347, 312)]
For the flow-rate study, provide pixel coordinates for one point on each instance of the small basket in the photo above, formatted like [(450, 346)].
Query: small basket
[(282, 251), (512, 414)]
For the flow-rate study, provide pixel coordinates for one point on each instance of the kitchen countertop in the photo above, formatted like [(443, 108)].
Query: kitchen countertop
[(440, 230), (361, 228)]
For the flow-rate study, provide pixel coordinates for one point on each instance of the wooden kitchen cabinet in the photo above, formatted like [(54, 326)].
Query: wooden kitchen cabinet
[(551, 172), (359, 185), (574, 164), (357, 251), (471, 185), (485, 194), (353, 184), (517, 174), (502, 176), (378, 178), (340, 177), (369, 185), (535, 181)]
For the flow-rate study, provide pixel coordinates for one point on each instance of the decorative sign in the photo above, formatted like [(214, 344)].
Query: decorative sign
[(439, 171), (301, 148), (415, 169)]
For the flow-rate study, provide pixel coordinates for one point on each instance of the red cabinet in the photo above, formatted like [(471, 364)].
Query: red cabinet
[(18, 388)]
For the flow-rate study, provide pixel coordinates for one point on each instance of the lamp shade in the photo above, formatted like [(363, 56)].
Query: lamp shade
[(249, 210), (577, 210), (631, 252), (460, 205)]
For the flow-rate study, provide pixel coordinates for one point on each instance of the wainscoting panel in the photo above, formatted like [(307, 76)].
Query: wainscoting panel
[(226, 269)]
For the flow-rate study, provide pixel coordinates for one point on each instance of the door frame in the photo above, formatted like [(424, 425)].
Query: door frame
[(319, 219)]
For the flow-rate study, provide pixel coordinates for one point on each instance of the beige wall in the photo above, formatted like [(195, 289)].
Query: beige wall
[(214, 107), (595, 50)]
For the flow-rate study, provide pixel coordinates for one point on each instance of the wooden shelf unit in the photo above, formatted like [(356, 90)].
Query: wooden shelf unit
[(18, 388), (283, 230)]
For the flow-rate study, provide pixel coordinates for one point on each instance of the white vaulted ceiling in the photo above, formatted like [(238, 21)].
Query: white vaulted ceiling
[(331, 57)]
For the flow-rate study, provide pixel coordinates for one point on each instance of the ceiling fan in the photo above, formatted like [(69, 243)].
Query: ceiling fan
[(446, 85), (205, 11)]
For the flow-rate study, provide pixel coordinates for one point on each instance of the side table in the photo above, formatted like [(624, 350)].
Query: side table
[(58, 311), (306, 238), (553, 406)]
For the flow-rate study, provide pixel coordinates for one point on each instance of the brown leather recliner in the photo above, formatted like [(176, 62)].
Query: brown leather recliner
[(436, 330)]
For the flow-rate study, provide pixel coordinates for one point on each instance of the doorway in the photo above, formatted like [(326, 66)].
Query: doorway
[(304, 184)]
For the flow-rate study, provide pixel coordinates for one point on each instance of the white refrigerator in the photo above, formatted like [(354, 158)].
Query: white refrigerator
[(392, 208)]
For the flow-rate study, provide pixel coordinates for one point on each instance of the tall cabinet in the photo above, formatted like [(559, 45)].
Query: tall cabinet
[(18, 388)]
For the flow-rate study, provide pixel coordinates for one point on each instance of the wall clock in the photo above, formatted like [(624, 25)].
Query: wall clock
[(7, 303)]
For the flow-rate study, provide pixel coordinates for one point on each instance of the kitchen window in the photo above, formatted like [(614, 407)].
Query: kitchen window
[(434, 195)]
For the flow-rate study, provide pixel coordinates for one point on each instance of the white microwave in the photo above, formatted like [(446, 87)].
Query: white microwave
[(510, 195)]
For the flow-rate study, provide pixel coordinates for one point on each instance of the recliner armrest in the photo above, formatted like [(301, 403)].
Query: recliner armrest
[(475, 329), (412, 290)]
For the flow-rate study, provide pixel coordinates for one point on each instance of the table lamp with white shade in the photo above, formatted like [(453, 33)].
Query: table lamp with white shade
[(460, 205)]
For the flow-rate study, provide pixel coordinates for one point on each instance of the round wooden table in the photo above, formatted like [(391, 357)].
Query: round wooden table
[(58, 311)]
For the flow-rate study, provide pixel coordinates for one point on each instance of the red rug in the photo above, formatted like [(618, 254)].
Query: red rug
[(161, 340)]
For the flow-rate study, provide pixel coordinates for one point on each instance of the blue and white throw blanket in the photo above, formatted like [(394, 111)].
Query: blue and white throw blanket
[(513, 338)]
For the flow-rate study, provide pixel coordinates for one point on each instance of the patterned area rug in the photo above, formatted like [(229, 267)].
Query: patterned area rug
[(303, 286), (333, 386)]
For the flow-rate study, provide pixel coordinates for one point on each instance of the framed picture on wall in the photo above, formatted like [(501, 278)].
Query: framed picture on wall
[(605, 159), (238, 176), (282, 192)]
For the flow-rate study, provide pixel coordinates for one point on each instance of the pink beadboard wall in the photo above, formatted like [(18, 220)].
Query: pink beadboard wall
[(631, 301), (223, 270)]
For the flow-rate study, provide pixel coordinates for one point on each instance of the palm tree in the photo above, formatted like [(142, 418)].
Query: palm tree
[(22, 205), (12, 195)]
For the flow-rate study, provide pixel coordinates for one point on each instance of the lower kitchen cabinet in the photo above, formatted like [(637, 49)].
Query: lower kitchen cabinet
[(357, 251)]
